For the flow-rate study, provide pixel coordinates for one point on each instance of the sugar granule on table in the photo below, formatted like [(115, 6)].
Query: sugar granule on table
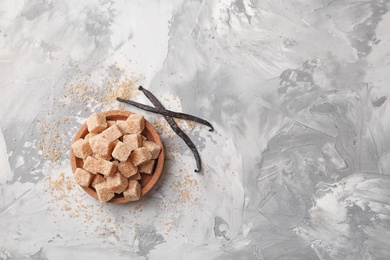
[(55, 138), (51, 144), (104, 92)]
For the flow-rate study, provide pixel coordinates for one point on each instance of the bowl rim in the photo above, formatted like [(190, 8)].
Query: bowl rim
[(82, 131)]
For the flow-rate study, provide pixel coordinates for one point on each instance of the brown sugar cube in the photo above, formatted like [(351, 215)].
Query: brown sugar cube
[(136, 123), (133, 141), (115, 162), (91, 164), (133, 191), (81, 148), (82, 177), (89, 135), (107, 157), (121, 152), (103, 192), (117, 183), (105, 167), (112, 133), (97, 179), (96, 123), (110, 123), (123, 126), (147, 167), (136, 177), (101, 146), (153, 148), (127, 168), (140, 156)]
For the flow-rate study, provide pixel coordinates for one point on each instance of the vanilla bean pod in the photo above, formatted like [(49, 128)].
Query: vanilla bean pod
[(174, 127), (166, 112)]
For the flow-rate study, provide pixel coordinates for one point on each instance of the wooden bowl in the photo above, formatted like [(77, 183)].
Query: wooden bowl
[(148, 180)]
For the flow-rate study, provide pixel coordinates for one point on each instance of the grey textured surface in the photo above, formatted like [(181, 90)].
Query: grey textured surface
[(297, 168)]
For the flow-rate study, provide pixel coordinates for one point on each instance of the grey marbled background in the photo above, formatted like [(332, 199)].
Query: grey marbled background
[(298, 167)]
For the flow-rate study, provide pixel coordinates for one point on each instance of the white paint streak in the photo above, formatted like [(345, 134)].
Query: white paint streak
[(5, 172)]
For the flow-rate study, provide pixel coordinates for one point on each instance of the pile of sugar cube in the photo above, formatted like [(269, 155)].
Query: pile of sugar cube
[(115, 153)]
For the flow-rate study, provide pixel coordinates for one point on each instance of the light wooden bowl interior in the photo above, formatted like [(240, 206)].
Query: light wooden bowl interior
[(148, 180)]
